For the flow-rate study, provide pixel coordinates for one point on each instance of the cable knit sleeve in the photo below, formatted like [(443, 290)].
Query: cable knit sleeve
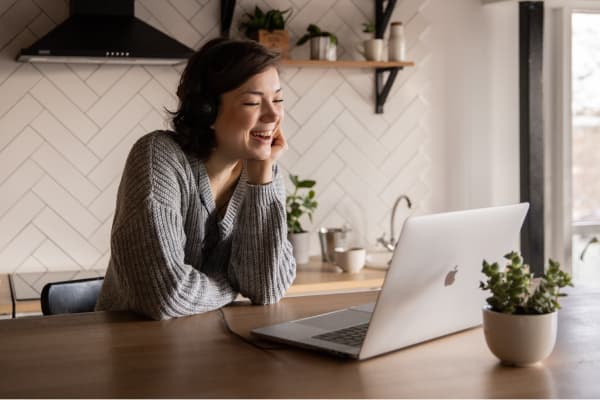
[(149, 258), (262, 266), (149, 271)]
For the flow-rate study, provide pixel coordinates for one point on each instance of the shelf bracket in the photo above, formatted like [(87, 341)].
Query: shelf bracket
[(383, 13), (383, 90), (382, 16), (227, 7)]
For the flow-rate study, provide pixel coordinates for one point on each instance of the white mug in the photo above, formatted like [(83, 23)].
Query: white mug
[(351, 260), (372, 49)]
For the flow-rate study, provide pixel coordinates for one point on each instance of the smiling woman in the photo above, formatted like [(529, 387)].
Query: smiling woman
[(201, 210)]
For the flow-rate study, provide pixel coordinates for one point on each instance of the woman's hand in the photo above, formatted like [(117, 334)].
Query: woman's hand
[(279, 144), (260, 172)]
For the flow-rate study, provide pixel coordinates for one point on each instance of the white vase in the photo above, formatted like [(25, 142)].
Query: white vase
[(397, 42), (520, 340), (300, 246)]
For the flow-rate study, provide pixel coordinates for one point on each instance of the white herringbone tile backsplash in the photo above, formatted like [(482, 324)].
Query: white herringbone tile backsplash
[(65, 130)]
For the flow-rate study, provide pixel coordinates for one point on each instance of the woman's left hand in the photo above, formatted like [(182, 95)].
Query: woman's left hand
[(260, 172)]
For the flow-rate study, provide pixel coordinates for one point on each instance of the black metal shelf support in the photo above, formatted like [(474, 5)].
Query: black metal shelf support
[(227, 7), (383, 90), (383, 13)]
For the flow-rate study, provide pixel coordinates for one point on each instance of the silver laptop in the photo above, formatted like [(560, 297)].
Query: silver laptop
[(431, 288)]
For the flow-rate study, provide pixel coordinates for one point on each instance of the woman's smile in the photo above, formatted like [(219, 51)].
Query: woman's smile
[(262, 135)]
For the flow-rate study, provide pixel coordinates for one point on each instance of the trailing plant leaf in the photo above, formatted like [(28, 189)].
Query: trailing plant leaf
[(314, 31)]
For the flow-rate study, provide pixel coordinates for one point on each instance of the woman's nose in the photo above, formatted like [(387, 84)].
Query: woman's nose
[(269, 113)]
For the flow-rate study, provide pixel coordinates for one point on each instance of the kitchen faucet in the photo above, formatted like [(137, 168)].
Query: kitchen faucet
[(391, 244)]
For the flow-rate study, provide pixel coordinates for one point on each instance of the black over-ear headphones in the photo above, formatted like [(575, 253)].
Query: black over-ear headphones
[(208, 104), (207, 108)]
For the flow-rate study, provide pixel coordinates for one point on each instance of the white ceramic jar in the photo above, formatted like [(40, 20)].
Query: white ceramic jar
[(397, 42)]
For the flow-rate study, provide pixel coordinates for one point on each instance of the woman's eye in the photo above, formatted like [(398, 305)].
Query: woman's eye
[(251, 104), (278, 101)]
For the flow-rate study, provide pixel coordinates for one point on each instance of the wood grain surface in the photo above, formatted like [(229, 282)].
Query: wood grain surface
[(123, 355)]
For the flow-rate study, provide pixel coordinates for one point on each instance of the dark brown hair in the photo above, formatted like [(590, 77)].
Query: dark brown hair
[(219, 66)]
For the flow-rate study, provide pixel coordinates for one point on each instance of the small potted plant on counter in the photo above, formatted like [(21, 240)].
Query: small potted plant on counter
[(323, 44), (268, 28), (520, 319), (296, 206)]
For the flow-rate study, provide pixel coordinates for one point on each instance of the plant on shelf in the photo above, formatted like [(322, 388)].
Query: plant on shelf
[(268, 28), (368, 27), (313, 31), (323, 44), (270, 21), (522, 310), (297, 205)]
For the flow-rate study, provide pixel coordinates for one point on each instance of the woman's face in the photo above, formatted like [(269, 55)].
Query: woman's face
[(248, 116)]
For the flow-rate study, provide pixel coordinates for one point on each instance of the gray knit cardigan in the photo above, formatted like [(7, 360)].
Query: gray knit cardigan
[(172, 256)]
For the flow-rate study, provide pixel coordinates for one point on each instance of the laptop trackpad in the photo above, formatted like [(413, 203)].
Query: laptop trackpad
[(337, 320)]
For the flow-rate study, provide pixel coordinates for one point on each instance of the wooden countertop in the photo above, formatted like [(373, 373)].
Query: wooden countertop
[(318, 277), (5, 301), (107, 355), (312, 278)]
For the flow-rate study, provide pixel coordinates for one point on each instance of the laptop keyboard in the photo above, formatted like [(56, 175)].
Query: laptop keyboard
[(352, 336)]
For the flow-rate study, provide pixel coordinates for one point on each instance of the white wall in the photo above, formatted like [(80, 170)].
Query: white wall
[(446, 138), (477, 90)]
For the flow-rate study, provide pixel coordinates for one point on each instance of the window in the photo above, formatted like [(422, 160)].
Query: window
[(585, 146)]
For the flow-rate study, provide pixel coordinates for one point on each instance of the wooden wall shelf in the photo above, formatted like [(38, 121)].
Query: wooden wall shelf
[(347, 64), (383, 13)]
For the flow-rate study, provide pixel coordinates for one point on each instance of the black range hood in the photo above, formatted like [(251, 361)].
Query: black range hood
[(105, 32)]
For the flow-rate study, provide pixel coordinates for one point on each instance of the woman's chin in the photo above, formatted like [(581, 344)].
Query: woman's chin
[(260, 155), (260, 158)]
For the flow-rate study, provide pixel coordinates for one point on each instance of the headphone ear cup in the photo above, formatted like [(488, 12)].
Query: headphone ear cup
[(208, 109)]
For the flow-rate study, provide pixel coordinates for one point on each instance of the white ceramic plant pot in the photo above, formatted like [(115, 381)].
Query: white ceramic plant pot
[(301, 246), (520, 340)]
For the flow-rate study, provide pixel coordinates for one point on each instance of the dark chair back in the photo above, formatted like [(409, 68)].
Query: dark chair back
[(70, 296)]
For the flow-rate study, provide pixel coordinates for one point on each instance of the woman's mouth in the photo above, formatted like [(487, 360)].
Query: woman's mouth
[(264, 136)]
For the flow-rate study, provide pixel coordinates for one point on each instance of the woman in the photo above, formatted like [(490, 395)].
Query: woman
[(201, 211)]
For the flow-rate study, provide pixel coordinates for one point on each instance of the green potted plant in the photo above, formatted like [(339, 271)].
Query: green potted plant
[(268, 28), (520, 319), (323, 44), (369, 28), (298, 204)]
